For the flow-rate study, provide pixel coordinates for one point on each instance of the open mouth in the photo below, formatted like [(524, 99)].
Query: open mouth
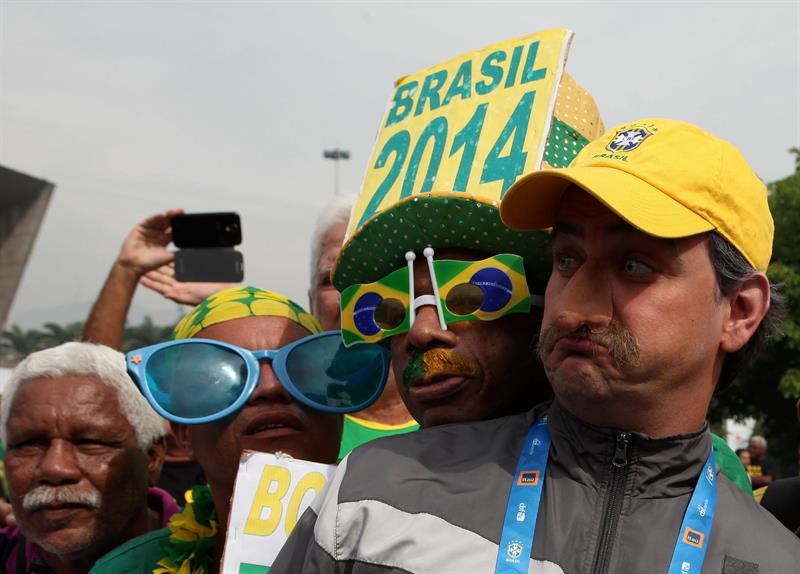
[(273, 423), (268, 427)]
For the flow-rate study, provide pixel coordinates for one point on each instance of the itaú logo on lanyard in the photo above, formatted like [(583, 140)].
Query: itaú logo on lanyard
[(528, 478), (693, 537)]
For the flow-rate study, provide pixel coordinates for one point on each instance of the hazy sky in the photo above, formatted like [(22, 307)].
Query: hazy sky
[(134, 107)]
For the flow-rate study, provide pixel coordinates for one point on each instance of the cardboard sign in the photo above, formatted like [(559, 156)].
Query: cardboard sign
[(476, 122), (270, 495)]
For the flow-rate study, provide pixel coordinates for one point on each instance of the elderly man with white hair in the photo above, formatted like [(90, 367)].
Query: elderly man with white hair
[(388, 415), (761, 468), (83, 448)]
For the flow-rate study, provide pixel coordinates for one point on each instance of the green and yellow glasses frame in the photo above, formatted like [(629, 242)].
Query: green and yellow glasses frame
[(463, 290)]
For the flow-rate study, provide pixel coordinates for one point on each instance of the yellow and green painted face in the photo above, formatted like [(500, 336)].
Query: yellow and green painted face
[(463, 291)]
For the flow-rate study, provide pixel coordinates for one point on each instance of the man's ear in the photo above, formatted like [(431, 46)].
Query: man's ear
[(181, 434), (311, 301), (155, 460), (748, 306)]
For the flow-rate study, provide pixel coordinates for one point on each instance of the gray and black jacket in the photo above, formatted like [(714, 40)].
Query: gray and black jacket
[(433, 502)]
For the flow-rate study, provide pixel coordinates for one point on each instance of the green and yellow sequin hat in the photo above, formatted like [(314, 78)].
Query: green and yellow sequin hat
[(240, 302), (451, 145)]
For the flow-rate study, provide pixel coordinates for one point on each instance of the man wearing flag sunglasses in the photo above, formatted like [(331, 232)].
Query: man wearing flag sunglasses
[(247, 369), (462, 325), (462, 321)]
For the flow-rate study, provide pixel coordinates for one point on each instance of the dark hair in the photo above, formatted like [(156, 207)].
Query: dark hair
[(731, 270)]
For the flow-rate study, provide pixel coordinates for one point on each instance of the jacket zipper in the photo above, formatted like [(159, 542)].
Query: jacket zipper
[(613, 505)]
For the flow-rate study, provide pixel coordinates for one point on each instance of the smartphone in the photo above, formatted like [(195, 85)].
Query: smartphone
[(201, 230), (217, 265)]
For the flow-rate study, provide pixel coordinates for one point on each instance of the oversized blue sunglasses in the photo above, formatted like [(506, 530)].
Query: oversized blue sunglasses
[(197, 381)]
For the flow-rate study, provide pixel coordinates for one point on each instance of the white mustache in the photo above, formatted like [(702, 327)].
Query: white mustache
[(43, 496)]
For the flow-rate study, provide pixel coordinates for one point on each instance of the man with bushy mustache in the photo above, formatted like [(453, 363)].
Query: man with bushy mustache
[(83, 447), (657, 297)]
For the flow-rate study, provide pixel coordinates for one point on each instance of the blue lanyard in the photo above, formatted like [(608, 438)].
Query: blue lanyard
[(690, 549), (519, 524), (516, 540)]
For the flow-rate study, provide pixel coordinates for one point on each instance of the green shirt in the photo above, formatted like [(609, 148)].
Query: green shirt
[(730, 465), (190, 546), (359, 431), (137, 556)]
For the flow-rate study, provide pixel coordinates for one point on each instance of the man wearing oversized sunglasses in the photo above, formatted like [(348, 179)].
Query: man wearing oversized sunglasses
[(247, 369)]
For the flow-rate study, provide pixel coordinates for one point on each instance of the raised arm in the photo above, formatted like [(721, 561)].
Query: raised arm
[(144, 249)]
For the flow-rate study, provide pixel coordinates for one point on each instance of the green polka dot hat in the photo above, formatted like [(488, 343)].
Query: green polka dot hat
[(442, 220)]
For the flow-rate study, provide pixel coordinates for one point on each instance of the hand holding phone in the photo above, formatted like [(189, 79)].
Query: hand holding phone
[(206, 251), (162, 281), (217, 264), (201, 230)]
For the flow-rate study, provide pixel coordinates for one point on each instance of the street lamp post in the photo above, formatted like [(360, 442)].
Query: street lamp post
[(336, 155)]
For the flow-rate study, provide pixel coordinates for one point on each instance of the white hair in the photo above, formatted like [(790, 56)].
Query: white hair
[(758, 441), (87, 359), (335, 212)]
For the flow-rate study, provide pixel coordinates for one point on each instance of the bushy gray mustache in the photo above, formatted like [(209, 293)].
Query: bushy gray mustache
[(623, 348), (43, 496)]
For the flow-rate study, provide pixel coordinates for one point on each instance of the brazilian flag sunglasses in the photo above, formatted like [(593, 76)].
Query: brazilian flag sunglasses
[(462, 291)]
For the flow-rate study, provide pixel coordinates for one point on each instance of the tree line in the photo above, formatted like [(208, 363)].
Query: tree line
[(16, 343)]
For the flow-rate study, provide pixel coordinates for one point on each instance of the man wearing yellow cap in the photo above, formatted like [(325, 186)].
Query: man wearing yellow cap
[(658, 295)]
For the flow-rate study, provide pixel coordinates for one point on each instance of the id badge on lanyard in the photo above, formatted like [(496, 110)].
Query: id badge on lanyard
[(519, 524)]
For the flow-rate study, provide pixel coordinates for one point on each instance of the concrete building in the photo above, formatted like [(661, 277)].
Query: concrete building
[(23, 201)]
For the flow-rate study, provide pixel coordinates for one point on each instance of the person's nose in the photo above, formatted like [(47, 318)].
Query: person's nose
[(59, 464), (269, 388), (585, 298), (427, 333)]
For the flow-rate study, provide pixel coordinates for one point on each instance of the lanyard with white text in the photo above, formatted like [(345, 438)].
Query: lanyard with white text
[(690, 550), (516, 540)]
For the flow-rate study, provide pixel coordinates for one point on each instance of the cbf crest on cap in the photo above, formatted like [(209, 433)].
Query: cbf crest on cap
[(666, 178), (628, 139), (453, 140)]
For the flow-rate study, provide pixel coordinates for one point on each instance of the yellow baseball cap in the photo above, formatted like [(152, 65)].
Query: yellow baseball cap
[(664, 177)]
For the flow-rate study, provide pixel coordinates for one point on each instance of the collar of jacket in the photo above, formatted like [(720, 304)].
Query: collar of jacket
[(657, 468)]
